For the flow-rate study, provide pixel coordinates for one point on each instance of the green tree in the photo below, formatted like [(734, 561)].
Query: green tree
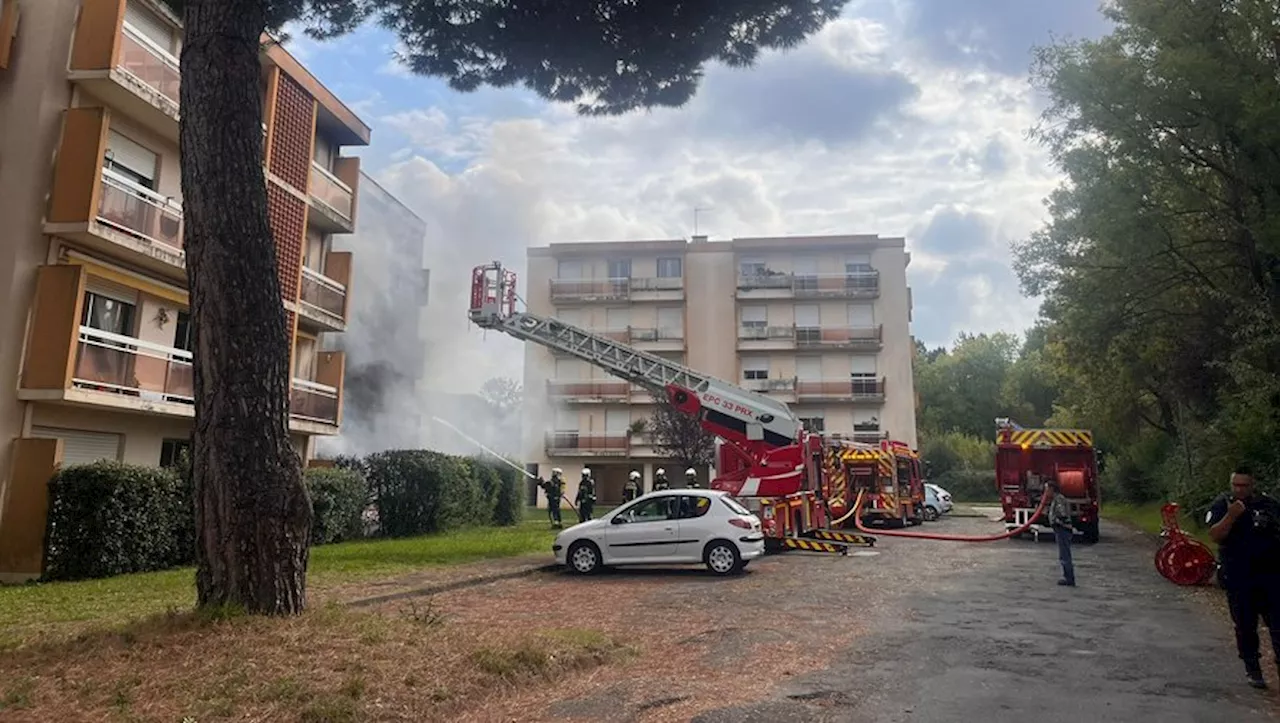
[(607, 57), (680, 436)]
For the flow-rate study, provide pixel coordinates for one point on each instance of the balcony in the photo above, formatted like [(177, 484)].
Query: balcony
[(577, 444), (585, 291), (650, 339), (588, 392), (106, 211), (67, 363), (323, 296), (769, 284), (333, 196), (859, 338), (785, 384), (759, 337), (865, 434), (865, 391), (120, 65)]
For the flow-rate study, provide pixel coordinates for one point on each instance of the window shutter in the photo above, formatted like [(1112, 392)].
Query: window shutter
[(136, 158), (807, 316), (109, 289), (863, 365), (861, 315), (150, 25), (82, 447)]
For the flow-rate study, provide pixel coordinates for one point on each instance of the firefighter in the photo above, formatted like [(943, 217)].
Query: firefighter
[(632, 488), (554, 489), (660, 481), (691, 478), (1246, 525), (586, 495)]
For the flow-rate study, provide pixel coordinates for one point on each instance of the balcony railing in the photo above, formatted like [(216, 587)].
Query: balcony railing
[(853, 284), (139, 211), (323, 293), (866, 436), (578, 443), (589, 390), (763, 279), (149, 63), (657, 283), (329, 190), (120, 364), (315, 402), (753, 332), (602, 289), (649, 334), (785, 384), (856, 389), (838, 337)]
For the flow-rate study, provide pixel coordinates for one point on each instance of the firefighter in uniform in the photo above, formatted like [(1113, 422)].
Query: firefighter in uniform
[(691, 478), (1246, 526), (660, 481), (586, 495), (632, 488), (554, 489)]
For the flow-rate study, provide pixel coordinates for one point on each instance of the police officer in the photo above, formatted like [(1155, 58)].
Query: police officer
[(660, 481), (554, 489), (632, 488), (586, 495), (1246, 526), (691, 478)]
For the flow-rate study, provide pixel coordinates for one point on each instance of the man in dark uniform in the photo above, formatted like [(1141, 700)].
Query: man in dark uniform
[(691, 478), (632, 489), (660, 481), (554, 489), (1246, 526), (586, 495)]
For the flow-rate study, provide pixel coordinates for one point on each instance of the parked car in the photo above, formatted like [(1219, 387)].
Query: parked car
[(666, 527), (937, 502)]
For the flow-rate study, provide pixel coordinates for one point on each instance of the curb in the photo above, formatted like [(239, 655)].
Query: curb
[(451, 586)]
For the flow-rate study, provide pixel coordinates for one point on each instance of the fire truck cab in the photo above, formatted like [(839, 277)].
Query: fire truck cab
[(1027, 459), (888, 473)]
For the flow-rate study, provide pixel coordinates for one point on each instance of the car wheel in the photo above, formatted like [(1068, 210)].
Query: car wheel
[(584, 558), (722, 558), (931, 513)]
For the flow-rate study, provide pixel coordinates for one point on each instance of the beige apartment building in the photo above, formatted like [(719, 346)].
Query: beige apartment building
[(819, 322), (95, 337)]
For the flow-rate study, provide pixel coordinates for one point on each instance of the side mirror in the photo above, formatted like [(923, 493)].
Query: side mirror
[(619, 520)]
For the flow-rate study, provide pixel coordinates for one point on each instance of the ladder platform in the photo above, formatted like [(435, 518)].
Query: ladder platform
[(801, 543), (849, 538)]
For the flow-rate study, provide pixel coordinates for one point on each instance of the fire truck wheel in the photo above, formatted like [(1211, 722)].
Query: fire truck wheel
[(584, 558), (722, 557)]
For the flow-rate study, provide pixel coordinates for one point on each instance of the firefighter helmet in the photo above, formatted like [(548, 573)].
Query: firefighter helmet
[(586, 471), (556, 470), (635, 474), (690, 472)]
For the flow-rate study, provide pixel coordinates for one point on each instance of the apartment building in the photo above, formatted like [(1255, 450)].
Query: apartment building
[(819, 322), (95, 337)]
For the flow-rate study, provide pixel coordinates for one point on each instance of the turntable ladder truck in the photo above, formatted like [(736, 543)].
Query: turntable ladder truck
[(763, 456)]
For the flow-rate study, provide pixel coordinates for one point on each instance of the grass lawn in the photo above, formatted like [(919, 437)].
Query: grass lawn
[(41, 610), (1146, 517)]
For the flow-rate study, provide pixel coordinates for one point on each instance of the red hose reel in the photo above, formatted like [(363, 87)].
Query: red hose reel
[(1181, 559)]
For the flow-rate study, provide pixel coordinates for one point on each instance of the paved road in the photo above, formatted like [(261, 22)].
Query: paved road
[(992, 639)]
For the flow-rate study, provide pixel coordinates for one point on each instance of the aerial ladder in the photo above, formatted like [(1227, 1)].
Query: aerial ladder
[(764, 456)]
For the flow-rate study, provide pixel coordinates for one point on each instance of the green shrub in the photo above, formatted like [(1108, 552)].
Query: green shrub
[(111, 518), (509, 502), (338, 500), (419, 492), (969, 485)]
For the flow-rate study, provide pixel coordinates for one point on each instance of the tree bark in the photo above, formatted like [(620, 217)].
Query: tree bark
[(253, 515)]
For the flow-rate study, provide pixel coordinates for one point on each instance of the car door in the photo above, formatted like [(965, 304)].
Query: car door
[(643, 531), (695, 526)]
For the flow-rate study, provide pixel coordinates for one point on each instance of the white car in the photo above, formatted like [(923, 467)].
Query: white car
[(944, 497), (666, 527)]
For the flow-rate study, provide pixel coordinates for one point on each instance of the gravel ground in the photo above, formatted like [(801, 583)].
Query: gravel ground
[(911, 631)]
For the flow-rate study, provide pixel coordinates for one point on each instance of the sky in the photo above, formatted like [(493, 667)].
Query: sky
[(902, 118)]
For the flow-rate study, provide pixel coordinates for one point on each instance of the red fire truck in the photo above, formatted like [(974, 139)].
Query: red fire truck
[(795, 480), (888, 473), (1026, 459)]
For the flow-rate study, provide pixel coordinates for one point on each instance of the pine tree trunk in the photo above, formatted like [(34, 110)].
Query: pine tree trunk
[(253, 515)]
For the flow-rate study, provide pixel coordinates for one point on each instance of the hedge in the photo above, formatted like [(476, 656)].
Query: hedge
[(338, 501), (966, 485), (420, 492)]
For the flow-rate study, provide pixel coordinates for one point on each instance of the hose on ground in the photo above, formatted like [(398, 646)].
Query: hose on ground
[(857, 520)]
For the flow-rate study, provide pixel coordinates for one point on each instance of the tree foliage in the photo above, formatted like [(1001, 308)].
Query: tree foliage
[(607, 57), (681, 437), (503, 395)]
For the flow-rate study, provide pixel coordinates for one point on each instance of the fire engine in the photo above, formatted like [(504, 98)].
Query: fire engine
[(797, 481), (1028, 458)]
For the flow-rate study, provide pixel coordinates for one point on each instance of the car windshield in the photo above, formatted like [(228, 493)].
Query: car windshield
[(734, 505)]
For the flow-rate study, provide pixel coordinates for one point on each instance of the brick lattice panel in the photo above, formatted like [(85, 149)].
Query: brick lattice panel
[(293, 127), (288, 217)]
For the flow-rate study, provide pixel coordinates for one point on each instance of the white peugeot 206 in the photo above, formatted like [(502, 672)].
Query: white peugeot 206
[(666, 527)]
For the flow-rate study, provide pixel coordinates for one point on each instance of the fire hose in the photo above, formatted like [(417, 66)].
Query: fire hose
[(1182, 560), (857, 520), (501, 459)]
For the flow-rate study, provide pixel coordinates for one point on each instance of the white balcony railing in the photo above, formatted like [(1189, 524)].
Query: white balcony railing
[(139, 211), (323, 293), (124, 365), (313, 401), (329, 190), (149, 63)]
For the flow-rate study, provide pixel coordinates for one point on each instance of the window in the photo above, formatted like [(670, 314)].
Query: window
[(616, 421), (654, 510), (323, 153), (857, 263), (573, 317), (670, 267), (106, 313), (568, 369), (617, 318), (861, 316), (82, 447), (620, 268), (863, 374), (755, 317), (809, 368), (806, 273), (317, 250), (814, 423), (671, 323), (807, 316), (171, 451), (751, 267), (569, 269), (865, 420), (131, 160), (184, 335), (734, 505), (566, 419), (151, 27), (754, 368), (692, 506), (304, 359)]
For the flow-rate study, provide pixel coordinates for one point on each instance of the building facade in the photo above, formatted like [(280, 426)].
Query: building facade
[(95, 337), (821, 323)]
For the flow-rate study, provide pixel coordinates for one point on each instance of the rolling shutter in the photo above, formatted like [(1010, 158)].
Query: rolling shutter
[(809, 368), (863, 365), (861, 316), (82, 447), (99, 286), (807, 316), (150, 25), (132, 156)]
